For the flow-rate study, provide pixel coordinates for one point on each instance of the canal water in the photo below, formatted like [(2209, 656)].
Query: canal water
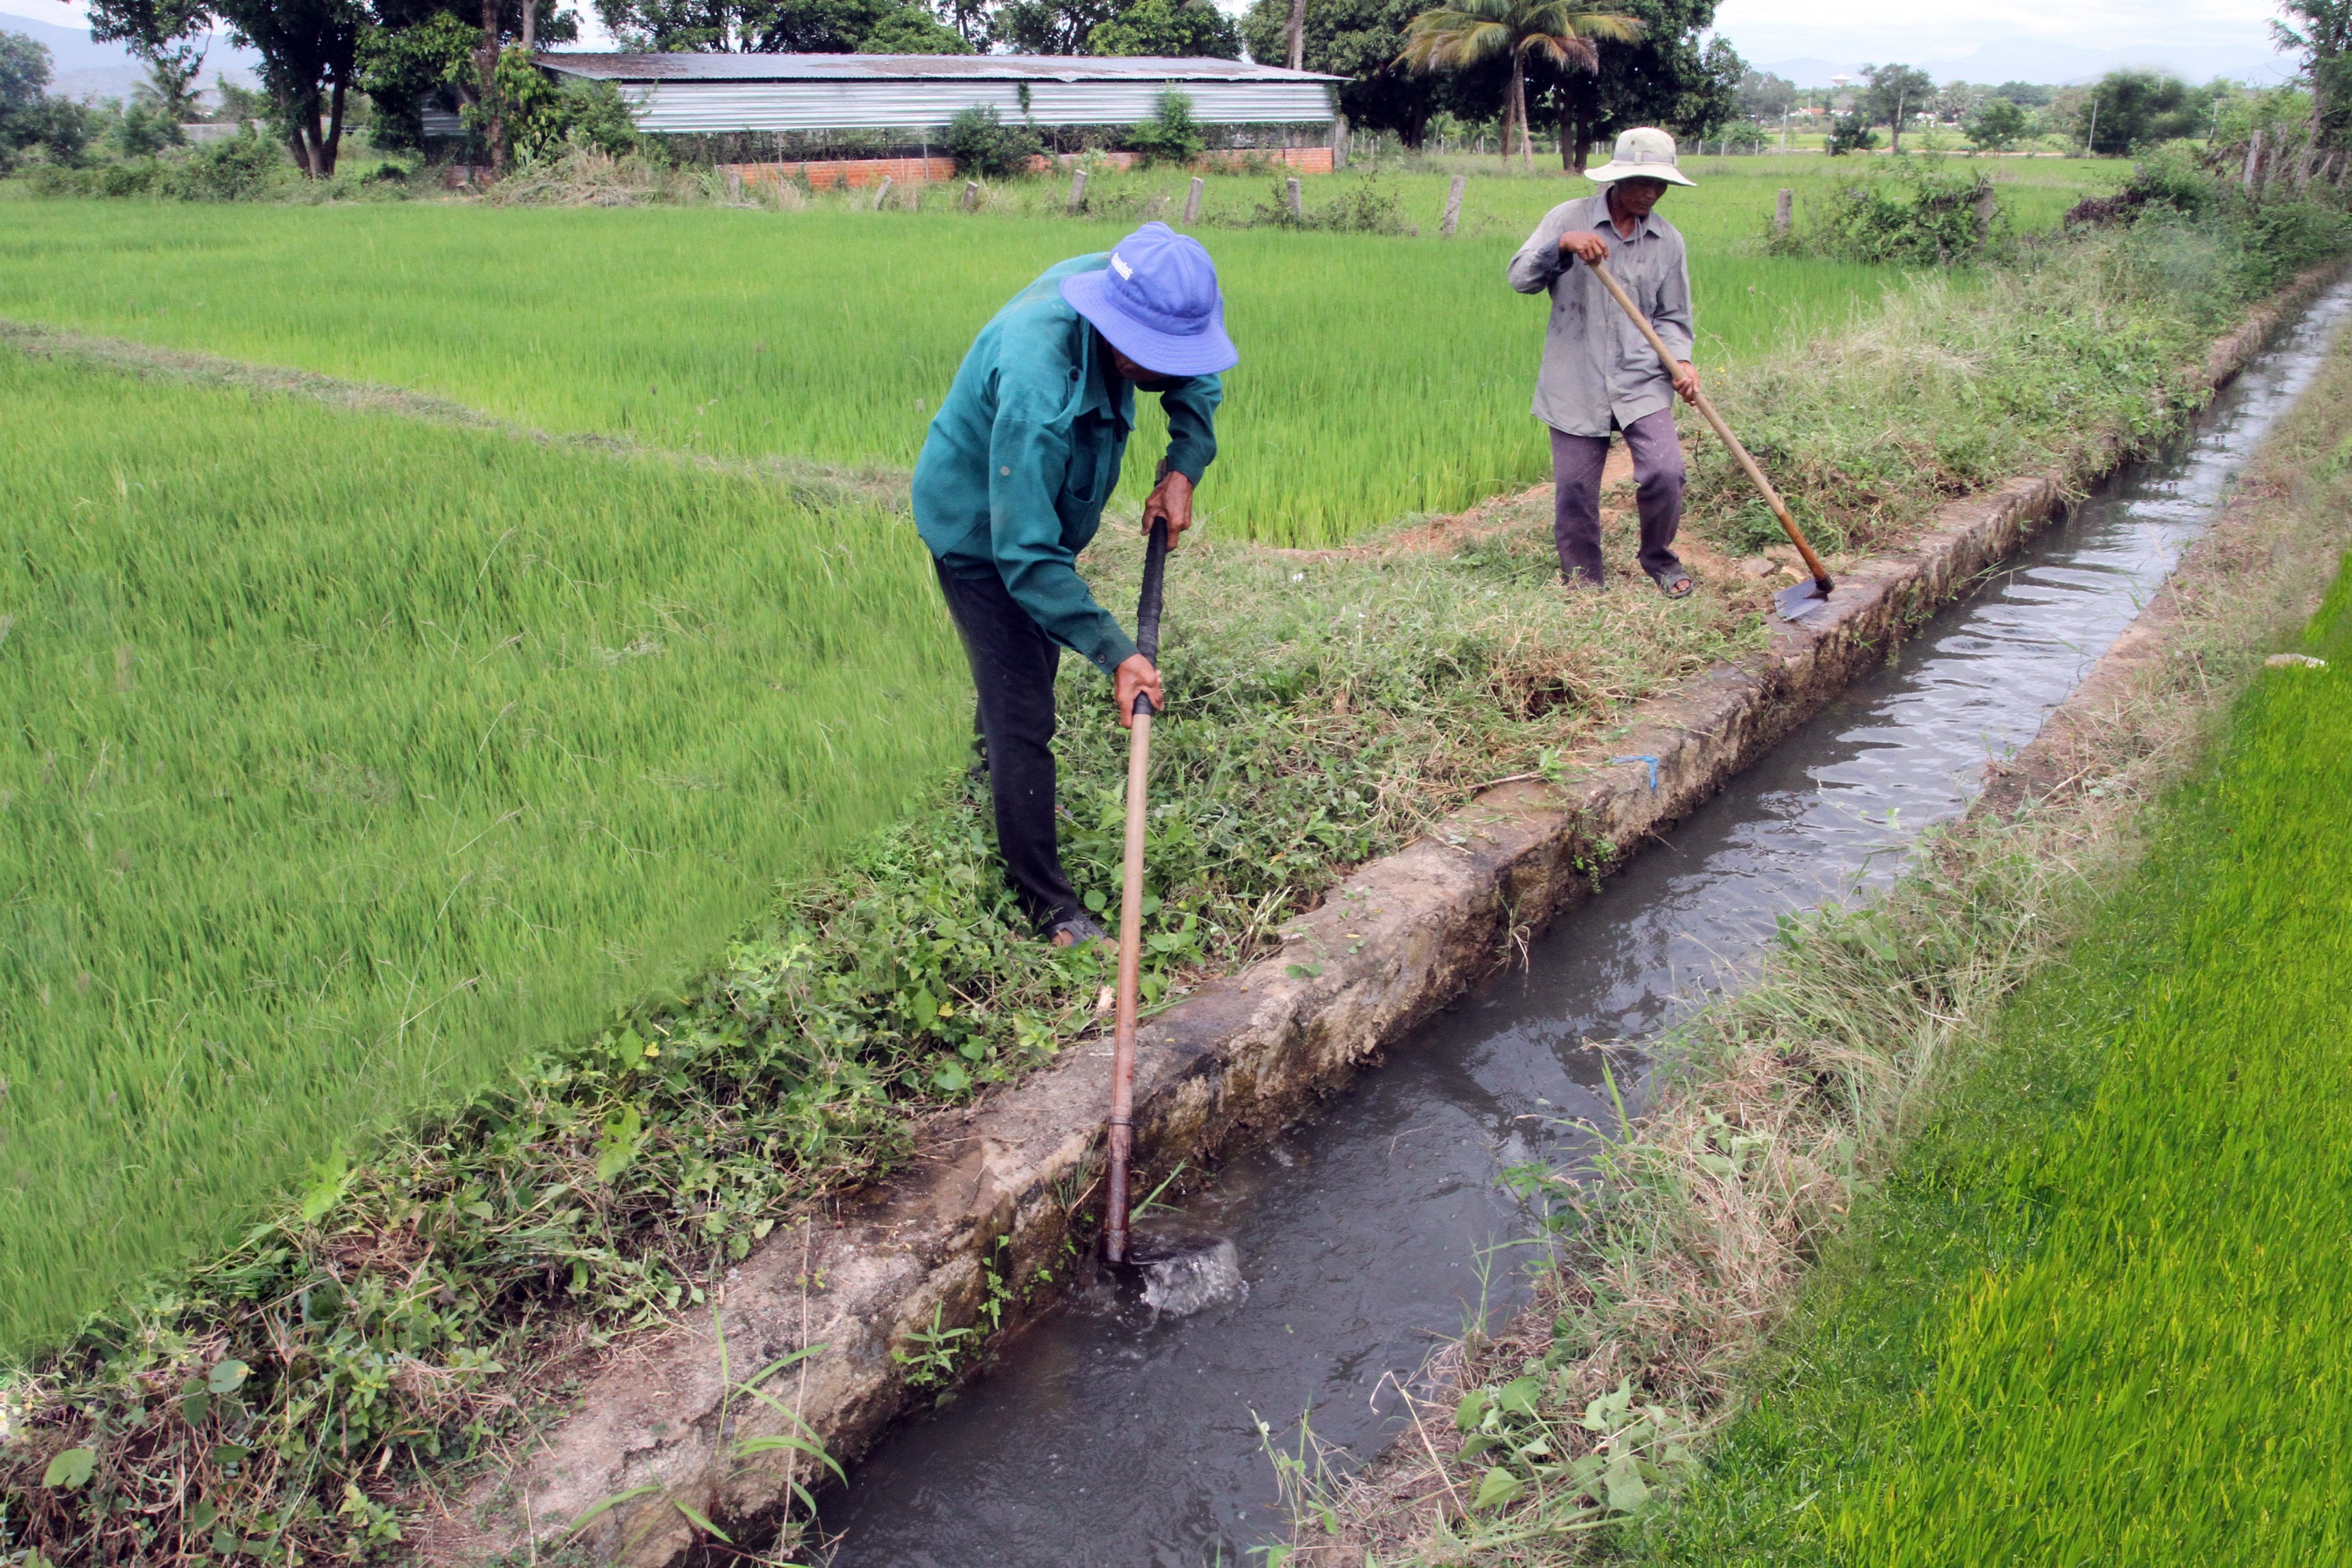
[(1115, 1435)]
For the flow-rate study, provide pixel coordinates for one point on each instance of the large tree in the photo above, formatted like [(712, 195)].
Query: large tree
[(309, 55), (171, 36), (1763, 95), (1361, 39), (1049, 27), (1668, 77), (1895, 93), (2135, 108), (766, 26), (2321, 31), (1555, 32), (1175, 28)]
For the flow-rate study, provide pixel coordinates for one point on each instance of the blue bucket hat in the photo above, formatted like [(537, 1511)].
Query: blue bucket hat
[(1158, 303)]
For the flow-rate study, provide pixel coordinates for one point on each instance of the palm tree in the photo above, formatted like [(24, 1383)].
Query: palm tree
[(1468, 31)]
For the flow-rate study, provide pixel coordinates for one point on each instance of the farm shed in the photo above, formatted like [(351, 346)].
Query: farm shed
[(690, 94)]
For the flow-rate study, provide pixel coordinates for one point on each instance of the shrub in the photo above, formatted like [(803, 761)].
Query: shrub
[(1851, 133), (1172, 135), (985, 148), (1912, 215)]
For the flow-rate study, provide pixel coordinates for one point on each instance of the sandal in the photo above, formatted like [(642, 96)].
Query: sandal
[(1677, 584), (1078, 930)]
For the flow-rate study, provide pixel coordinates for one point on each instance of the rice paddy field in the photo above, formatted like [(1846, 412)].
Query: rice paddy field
[(2098, 1314), (356, 754), (351, 756), (1381, 375)]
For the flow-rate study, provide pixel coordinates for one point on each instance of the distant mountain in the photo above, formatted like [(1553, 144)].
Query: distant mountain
[(82, 69), (2058, 65)]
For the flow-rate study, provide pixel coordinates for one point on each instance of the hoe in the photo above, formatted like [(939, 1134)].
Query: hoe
[(1801, 599)]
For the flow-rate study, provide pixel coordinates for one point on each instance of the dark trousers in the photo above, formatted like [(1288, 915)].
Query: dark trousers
[(1013, 667), (1575, 463)]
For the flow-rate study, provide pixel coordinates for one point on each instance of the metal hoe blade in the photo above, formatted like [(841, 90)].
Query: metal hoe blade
[(1802, 600)]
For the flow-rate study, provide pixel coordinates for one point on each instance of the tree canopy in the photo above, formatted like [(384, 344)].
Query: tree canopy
[(1361, 39), (1895, 93), (2139, 109), (1168, 27), (1666, 77)]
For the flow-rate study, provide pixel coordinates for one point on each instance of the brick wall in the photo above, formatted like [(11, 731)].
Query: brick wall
[(848, 173)]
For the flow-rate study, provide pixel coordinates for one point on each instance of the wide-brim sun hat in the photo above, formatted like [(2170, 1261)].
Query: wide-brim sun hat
[(1644, 153), (1157, 303)]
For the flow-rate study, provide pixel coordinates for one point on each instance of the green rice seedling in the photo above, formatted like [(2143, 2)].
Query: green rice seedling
[(2093, 1313), (349, 754), (1380, 376)]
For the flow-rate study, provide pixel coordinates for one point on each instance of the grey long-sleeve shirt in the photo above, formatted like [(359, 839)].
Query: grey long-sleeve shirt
[(1596, 364)]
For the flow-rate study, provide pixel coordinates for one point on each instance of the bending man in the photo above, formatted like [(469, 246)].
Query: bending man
[(1599, 373), (1011, 486)]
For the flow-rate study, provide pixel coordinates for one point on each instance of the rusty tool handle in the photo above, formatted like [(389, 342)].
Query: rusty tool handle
[(1748, 463)]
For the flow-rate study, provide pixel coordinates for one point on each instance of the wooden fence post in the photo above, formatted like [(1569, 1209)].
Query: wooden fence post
[(1192, 202), (1078, 191), (1784, 213), (1452, 219), (1293, 200), (1985, 207), (2253, 158), (881, 193), (1339, 141)]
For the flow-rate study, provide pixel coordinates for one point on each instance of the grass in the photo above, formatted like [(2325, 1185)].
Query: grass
[(2094, 1313), (1323, 710), (1782, 1108), (350, 756), (1326, 708), (831, 334)]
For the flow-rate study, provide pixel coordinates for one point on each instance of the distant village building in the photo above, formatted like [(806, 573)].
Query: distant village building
[(856, 119), (692, 93)]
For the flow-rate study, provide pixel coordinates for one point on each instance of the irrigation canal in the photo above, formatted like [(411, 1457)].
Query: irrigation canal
[(1113, 1434)]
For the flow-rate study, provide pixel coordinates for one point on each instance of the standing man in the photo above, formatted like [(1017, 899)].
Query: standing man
[(1599, 373), (1011, 486)]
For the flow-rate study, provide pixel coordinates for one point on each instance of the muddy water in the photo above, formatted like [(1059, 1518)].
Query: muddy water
[(1116, 1433)]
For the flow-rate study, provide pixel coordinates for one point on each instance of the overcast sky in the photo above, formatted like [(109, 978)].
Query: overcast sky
[(1848, 30), (1873, 29)]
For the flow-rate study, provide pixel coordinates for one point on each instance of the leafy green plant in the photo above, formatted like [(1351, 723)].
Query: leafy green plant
[(985, 148), (1172, 135), (932, 1355)]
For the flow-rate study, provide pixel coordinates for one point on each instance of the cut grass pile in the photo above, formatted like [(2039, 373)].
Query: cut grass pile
[(2097, 1312), (351, 756), (1379, 376)]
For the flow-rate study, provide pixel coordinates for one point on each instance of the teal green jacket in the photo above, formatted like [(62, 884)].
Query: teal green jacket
[(1027, 449)]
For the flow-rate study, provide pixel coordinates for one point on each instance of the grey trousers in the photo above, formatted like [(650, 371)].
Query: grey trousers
[(1576, 462)]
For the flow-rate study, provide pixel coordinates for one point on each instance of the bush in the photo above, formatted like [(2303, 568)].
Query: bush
[(239, 169), (1172, 135), (1912, 215), (985, 148), (1851, 133)]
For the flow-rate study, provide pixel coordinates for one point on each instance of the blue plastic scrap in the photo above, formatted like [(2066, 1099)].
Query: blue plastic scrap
[(1651, 761)]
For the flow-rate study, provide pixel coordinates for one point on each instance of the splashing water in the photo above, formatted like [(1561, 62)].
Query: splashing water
[(1180, 1286)]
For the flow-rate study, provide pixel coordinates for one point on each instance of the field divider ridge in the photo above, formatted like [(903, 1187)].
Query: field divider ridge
[(981, 1231), (818, 483)]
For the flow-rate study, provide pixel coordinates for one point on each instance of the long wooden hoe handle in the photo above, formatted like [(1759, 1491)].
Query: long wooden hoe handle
[(1748, 463), (1131, 909)]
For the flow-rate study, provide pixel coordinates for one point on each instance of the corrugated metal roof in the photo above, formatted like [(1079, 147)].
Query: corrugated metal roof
[(912, 68), (686, 94)]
